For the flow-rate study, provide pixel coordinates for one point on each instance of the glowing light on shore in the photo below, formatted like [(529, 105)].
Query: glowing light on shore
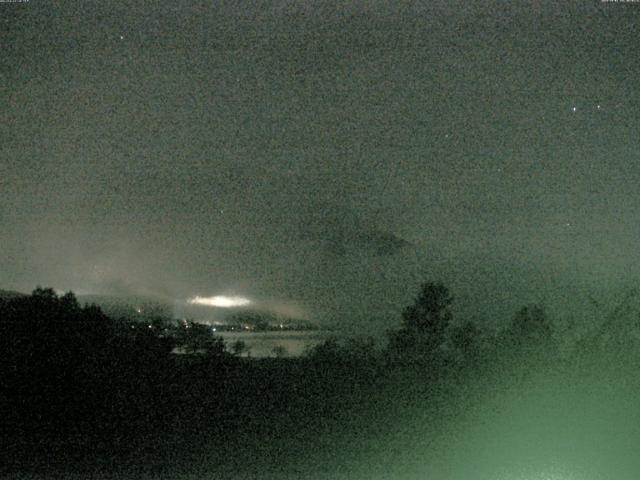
[(220, 301)]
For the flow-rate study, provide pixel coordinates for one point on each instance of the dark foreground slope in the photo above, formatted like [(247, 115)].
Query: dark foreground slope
[(84, 396)]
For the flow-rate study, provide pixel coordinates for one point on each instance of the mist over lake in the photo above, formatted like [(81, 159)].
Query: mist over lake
[(264, 344)]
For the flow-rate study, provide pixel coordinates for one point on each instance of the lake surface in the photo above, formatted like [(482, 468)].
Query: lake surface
[(264, 344)]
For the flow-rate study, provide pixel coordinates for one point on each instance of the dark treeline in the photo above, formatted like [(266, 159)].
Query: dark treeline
[(83, 391)]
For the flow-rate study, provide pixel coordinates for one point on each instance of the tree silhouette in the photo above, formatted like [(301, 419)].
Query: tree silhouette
[(326, 351), (198, 338), (239, 347), (424, 325), (529, 338), (529, 326), (429, 314), (279, 351), (465, 342)]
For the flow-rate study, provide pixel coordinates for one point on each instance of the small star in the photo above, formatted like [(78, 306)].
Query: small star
[(574, 109), (121, 37), (598, 106)]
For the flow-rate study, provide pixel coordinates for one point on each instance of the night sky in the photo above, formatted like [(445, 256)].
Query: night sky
[(324, 157)]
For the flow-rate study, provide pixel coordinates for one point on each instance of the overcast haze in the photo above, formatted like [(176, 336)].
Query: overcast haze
[(327, 155)]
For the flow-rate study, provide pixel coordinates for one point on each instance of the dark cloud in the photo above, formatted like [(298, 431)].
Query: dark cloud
[(340, 232)]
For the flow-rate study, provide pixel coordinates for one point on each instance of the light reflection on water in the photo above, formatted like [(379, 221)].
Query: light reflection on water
[(265, 344)]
